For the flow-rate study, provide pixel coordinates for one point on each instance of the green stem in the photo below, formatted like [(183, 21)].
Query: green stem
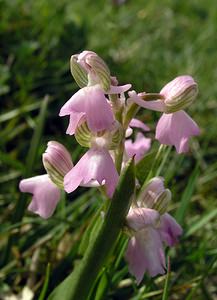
[(133, 109), (79, 284), (119, 157)]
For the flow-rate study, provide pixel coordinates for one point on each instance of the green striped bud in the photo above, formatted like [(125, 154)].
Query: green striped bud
[(78, 72), (155, 196), (109, 139), (98, 71), (57, 162), (179, 93), (162, 201)]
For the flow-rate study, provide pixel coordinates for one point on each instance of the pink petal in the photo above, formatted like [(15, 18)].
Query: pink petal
[(139, 124), (145, 254), (76, 103), (176, 129), (74, 119), (170, 230), (139, 218), (139, 147), (46, 195), (89, 102), (157, 105), (98, 111), (96, 164), (119, 89)]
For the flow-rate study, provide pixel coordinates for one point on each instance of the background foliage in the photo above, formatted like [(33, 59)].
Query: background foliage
[(146, 43)]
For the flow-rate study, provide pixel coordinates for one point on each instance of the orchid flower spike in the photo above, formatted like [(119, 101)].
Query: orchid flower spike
[(46, 188), (175, 127)]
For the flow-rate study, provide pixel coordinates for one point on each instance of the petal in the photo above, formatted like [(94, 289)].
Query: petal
[(46, 195), (157, 105), (139, 147), (145, 254), (98, 111), (139, 124), (136, 259), (176, 129), (119, 89), (170, 230), (140, 218), (96, 164), (76, 103), (74, 119)]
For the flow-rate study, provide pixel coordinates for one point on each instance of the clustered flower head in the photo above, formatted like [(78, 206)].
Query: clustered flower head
[(101, 119)]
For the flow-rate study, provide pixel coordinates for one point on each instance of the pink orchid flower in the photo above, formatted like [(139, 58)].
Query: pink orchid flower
[(46, 195), (90, 104), (175, 127), (46, 188), (145, 252), (151, 227), (145, 249), (95, 166)]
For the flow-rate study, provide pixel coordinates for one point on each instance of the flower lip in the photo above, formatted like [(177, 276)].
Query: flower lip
[(95, 165), (176, 129), (46, 194), (89, 103)]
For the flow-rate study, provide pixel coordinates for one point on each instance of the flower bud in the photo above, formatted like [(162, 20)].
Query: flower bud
[(98, 71), (155, 196), (78, 72), (109, 139), (162, 201), (57, 162), (179, 93)]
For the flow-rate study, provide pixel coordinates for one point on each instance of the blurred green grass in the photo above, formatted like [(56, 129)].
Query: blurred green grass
[(146, 43)]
